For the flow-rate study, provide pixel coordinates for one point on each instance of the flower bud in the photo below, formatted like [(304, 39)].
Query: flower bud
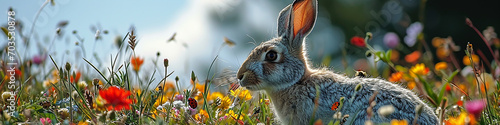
[(165, 62), (68, 66)]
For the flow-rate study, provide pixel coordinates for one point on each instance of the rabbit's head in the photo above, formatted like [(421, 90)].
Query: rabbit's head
[(281, 62)]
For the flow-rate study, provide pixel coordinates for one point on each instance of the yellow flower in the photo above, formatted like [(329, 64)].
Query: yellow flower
[(215, 95), (411, 85), (169, 85), (474, 57), (225, 102), (202, 116), (399, 122), (82, 123), (242, 94), (162, 100), (419, 69), (396, 77), (236, 92), (441, 66), (234, 115), (462, 119), (245, 95), (55, 73)]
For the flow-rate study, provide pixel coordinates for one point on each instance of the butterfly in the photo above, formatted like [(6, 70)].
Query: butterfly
[(335, 106), (192, 103)]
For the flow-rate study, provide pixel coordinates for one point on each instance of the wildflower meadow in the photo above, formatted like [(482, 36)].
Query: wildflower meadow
[(43, 89)]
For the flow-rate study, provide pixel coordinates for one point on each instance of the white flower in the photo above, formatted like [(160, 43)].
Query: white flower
[(166, 104), (178, 104), (159, 108), (82, 84)]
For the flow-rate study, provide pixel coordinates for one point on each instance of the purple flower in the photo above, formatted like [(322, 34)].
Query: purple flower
[(38, 59), (475, 107), (179, 97), (391, 40), (412, 33)]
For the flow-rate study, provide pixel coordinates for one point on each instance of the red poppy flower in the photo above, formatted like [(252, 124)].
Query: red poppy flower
[(358, 41), (136, 63), (116, 98), (75, 78), (448, 88)]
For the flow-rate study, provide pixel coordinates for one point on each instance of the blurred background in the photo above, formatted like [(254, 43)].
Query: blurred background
[(190, 33)]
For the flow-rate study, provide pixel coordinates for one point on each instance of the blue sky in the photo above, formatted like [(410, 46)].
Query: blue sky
[(155, 21)]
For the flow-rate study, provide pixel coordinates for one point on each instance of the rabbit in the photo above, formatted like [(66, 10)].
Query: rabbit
[(281, 69)]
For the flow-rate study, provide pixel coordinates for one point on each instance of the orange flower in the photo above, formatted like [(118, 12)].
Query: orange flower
[(399, 122), (116, 98), (413, 57), (462, 87), (396, 77), (136, 63), (466, 59), (75, 78), (462, 119), (441, 66), (202, 116), (411, 85), (437, 42), (442, 53)]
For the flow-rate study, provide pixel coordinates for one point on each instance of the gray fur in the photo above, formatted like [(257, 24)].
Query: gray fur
[(290, 82)]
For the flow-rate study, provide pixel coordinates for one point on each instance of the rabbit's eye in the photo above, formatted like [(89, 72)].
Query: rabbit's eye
[(271, 56)]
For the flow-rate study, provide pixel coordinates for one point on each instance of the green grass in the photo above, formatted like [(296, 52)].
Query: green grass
[(51, 93)]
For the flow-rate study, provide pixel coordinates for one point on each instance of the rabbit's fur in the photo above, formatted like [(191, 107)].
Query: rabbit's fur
[(280, 68)]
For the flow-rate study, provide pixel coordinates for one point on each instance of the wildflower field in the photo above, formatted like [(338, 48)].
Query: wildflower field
[(462, 90)]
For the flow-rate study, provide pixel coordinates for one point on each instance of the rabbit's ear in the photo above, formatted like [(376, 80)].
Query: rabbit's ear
[(302, 15)]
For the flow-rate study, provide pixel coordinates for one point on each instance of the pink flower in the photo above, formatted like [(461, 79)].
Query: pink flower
[(475, 107), (38, 59), (45, 121), (179, 97), (391, 40)]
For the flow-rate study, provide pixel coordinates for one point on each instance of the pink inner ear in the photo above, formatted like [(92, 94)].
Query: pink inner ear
[(303, 16)]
